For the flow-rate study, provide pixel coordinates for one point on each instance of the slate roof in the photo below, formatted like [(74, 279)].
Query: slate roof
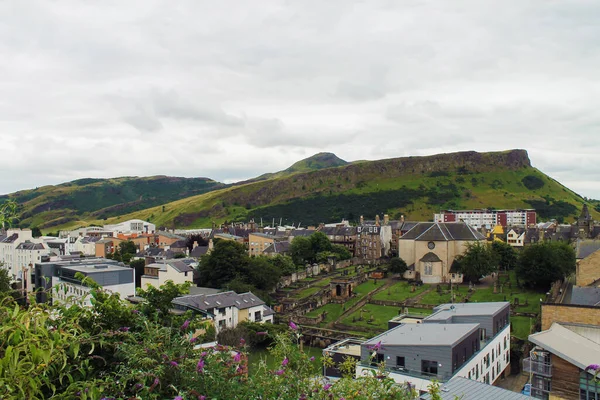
[(11, 238), (430, 257), (149, 252), (198, 251), (442, 231), (585, 296), (30, 246), (301, 232), (468, 389), (278, 248), (170, 235), (180, 266), (586, 247), (268, 236), (339, 230), (180, 244), (218, 300)]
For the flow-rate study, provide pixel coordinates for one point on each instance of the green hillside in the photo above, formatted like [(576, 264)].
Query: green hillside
[(415, 187), (84, 200), (314, 163)]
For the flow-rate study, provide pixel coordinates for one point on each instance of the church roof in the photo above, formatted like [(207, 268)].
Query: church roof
[(430, 257), (438, 231)]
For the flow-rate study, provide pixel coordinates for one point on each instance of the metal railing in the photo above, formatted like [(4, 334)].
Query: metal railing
[(409, 372), (537, 367)]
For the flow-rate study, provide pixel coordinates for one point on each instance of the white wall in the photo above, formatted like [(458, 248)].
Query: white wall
[(79, 294)]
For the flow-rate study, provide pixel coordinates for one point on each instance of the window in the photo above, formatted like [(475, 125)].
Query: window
[(257, 316), (428, 268), (222, 310), (400, 362), (429, 367), (588, 388)]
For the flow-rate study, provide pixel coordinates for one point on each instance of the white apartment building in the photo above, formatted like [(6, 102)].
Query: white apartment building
[(157, 274), (488, 218), (132, 226), (15, 261)]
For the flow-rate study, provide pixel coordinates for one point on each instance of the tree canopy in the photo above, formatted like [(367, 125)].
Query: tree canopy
[(543, 263), (397, 266), (477, 261), (506, 255), (316, 248)]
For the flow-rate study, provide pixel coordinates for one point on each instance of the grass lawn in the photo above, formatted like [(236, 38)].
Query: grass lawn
[(435, 298), (333, 312), (380, 317), (323, 283), (307, 292), (367, 287), (532, 298), (399, 292), (520, 326)]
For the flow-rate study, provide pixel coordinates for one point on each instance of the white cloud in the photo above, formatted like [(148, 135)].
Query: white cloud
[(230, 90)]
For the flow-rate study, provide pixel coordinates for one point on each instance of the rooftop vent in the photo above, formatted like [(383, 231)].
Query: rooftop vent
[(100, 266)]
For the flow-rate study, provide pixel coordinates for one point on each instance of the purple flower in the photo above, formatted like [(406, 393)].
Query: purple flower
[(242, 341), (174, 363), (238, 357), (192, 340), (138, 386), (375, 347), (124, 329), (327, 386), (200, 365), (203, 354), (279, 372), (593, 367), (201, 397), (312, 358), (135, 311), (285, 362), (185, 325), (178, 398), (293, 326), (261, 333)]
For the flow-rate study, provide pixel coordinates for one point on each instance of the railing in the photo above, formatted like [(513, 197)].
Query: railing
[(537, 367), (539, 393), (409, 372)]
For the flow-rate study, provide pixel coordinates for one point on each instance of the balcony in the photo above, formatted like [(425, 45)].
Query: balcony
[(409, 372), (537, 367)]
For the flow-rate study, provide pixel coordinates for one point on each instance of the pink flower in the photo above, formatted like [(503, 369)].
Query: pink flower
[(327, 386), (261, 333), (178, 398), (279, 372), (242, 341), (594, 367), (192, 340), (185, 325), (285, 362), (312, 358), (238, 357), (201, 397), (203, 354), (124, 329), (200, 365), (293, 326), (174, 364)]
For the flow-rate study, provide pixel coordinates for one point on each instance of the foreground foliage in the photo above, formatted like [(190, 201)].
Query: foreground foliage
[(115, 351)]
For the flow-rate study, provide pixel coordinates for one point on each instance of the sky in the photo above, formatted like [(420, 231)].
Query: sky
[(231, 89)]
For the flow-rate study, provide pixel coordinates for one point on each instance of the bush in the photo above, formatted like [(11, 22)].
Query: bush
[(532, 182)]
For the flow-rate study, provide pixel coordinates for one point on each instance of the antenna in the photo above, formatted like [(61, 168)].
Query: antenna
[(280, 220)]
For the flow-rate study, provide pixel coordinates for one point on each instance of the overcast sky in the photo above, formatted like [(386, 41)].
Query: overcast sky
[(233, 89)]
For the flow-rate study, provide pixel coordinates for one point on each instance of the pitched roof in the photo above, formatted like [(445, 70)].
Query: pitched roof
[(586, 247), (278, 248), (180, 266), (468, 389), (225, 299), (11, 238), (198, 251), (27, 245), (171, 235), (179, 244), (585, 296), (339, 230), (568, 345), (442, 231)]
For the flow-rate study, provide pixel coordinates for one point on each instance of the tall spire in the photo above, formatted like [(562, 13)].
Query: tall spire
[(585, 213)]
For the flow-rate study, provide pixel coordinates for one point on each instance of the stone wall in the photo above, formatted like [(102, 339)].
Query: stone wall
[(568, 313), (588, 269)]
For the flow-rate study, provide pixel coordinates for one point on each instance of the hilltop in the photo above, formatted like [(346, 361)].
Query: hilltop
[(89, 199), (415, 187), (313, 163)]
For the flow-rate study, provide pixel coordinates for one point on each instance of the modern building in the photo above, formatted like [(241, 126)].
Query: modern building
[(157, 274), (469, 340), (228, 308), (131, 226), (488, 218), (55, 280), (429, 249), (468, 389)]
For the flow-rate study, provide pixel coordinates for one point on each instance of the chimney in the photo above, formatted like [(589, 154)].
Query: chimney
[(386, 219), (321, 226), (362, 220), (402, 218), (195, 245), (377, 220)]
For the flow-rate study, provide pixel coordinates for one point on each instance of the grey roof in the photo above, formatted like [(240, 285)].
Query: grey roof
[(268, 235), (27, 245), (430, 257), (442, 231), (301, 232), (198, 251), (424, 335), (180, 266), (467, 389), (224, 299), (339, 230), (568, 345), (443, 312), (278, 248), (195, 290), (180, 244), (149, 252), (585, 296), (171, 235), (11, 238), (586, 247)]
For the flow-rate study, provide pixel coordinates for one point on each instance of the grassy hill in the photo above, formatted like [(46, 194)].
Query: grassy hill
[(415, 187), (314, 163), (84, 200)]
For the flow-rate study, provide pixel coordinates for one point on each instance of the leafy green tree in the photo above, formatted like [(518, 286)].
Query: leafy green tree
[(262, 274), (5, 286), (301, 250), (398, 266), (36, 232), (158, 300), (284, 264), (128, 247), (543, 263), (478, 260), (506, 255), (342, 252), (223, 264), (320, 242)]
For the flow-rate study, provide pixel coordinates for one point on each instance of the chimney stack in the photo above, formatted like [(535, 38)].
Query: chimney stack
[(386, 219), (402, 218), (362, 220), (377, 220)]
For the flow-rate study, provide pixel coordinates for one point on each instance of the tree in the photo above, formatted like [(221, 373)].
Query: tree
[(5, 286), (284, 264), (320, 242), (8, 214), (158, 300), (301, 250), (128, 247), (138, 266), (479, 260), (36, 232), (398, 266), (541, 264), (506, 255), (342, 252), (223, 264), (262, 274)]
